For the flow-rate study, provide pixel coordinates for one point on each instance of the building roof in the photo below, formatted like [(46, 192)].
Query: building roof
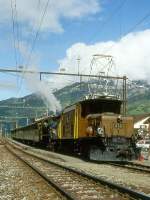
[(141, 122)]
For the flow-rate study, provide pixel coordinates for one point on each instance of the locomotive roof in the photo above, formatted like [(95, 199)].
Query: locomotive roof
[(101, 99)]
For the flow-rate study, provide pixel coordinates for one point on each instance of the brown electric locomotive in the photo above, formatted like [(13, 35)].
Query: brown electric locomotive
[(93, 128), (96, 129)]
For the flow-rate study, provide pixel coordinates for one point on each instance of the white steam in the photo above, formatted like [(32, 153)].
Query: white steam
[(43, 89), (35, 85)]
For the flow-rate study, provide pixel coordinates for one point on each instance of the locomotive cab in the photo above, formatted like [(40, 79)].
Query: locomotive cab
[(114, 136), (102, 131)]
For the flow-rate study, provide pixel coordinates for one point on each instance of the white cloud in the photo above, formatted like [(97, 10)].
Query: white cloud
[(131, 55), (30, 11)]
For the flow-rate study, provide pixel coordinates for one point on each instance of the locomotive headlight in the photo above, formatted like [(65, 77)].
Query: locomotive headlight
[(119, 120), (89, 130), (100, 131)]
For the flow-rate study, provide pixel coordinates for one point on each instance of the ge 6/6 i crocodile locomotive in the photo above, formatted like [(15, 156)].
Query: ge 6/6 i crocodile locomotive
[(96, 127)]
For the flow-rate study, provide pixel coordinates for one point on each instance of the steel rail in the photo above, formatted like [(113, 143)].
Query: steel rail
[(130, 166), (124, 164), (138, 165), (114, 186)]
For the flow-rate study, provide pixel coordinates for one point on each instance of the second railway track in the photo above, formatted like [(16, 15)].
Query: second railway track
[(127, 165), (133, 166), (75, 184)]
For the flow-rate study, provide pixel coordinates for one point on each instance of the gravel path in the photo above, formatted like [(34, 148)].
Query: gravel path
[(19, 182)]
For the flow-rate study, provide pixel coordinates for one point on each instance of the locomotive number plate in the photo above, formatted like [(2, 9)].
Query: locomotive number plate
[(118, 125)]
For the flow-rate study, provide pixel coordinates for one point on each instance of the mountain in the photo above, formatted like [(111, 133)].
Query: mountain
[(139, 98), (71, 94), (34, 106)]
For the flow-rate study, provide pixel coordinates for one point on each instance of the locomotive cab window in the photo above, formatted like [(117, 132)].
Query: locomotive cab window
[(100, 106)]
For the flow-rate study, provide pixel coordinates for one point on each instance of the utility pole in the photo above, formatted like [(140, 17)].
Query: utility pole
[(78, 61)]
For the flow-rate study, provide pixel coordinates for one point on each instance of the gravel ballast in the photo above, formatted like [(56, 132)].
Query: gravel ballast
[(19, 182)]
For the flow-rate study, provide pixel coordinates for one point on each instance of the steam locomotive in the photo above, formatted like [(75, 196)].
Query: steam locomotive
[(93, 128)]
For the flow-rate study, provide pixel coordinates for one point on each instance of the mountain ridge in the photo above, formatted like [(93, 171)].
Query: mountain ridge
[(138, 100)]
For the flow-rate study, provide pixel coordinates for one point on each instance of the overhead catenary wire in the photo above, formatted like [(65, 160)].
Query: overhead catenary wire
[(16, 32), (16, 35), (18, 38), (139, 22), (38, 32), (112, 14), (17, 28), (13, 32), (39, 3), (28, 41), (35, 39), (131, 29), (35, 25)]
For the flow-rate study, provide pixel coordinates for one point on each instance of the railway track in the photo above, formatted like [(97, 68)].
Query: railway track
[(145, 167), (132, 166), (76, 184), (19, 181), (128, 165)]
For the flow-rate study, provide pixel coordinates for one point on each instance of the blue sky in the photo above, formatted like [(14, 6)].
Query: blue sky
[(71, 26)]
